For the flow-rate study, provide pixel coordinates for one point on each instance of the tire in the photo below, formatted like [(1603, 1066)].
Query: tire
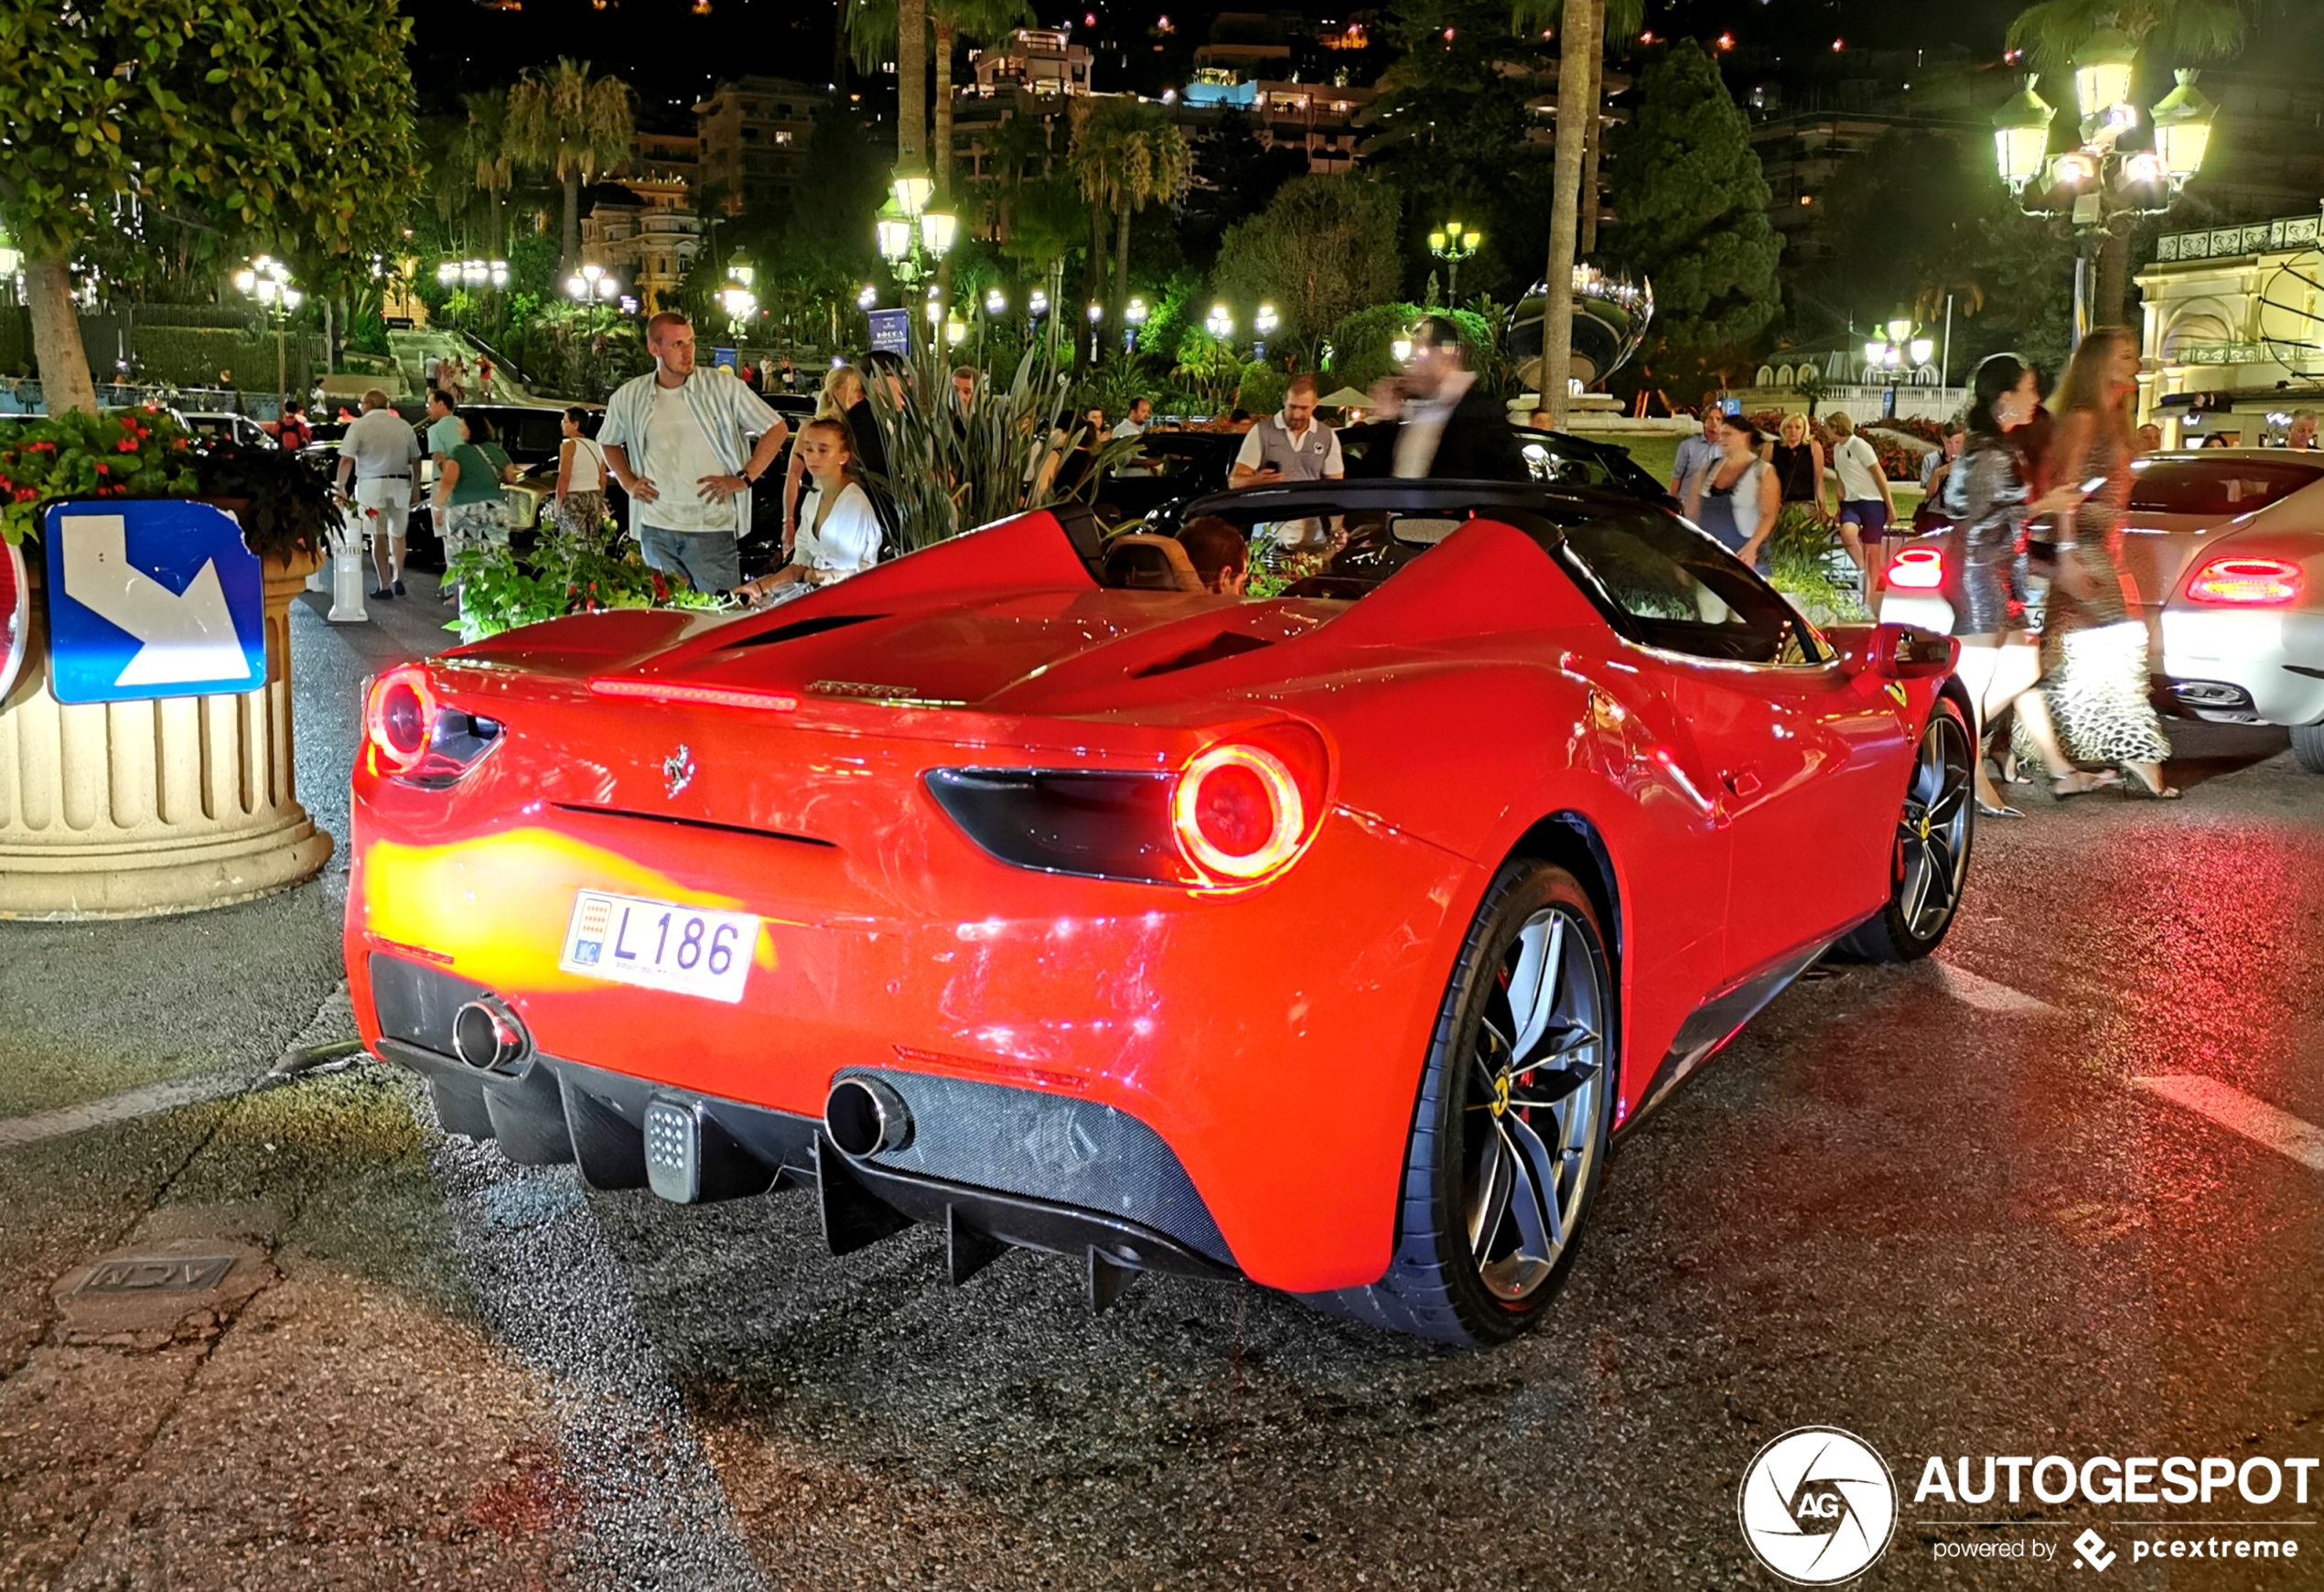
[(1929, 862), (1543, 1119), (2308, 746)]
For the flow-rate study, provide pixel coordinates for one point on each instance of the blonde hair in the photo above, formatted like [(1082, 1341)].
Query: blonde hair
[(1792, 424), (1840, 423), (830, 403), (2084, 386)]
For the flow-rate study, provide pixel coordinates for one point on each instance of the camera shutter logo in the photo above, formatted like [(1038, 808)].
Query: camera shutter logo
[(1817, 1506)]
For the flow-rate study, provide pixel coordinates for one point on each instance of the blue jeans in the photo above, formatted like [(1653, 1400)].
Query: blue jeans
[(708, 561)]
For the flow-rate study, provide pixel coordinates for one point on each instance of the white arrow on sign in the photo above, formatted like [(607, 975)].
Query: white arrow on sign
[(188, 637)]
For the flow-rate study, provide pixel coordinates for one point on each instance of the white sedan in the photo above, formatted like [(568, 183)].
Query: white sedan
[(2222, 557)]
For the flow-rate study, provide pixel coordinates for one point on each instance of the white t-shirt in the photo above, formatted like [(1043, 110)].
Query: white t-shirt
[(1127, 428), (1857, 464), (847, 542), (674, 435), (381, 443)]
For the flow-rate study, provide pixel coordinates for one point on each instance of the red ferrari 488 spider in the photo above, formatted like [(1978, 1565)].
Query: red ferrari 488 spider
[(1024, 888)]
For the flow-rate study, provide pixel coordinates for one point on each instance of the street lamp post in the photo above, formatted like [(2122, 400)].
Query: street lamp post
[(2113, 173), (1905, 349), (1452, 244), (995, 307), (912, 238), (591, 284), (1097, 318), (1264, 325), (268, 280), (1134, 318)]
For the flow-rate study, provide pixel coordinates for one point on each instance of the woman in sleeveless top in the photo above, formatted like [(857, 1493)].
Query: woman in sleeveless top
[(1797, 459), (580, 478), (1734, 497), (839, 532), (1990, 498), (2093, 652)]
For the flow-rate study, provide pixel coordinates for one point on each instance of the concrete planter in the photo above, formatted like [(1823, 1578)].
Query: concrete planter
[(135, 809)]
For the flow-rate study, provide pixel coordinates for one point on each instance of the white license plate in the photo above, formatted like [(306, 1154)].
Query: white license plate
[(660, 945)]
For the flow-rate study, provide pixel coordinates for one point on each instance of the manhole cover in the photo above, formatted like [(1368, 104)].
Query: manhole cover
[(158, 1287), (151, 1274)]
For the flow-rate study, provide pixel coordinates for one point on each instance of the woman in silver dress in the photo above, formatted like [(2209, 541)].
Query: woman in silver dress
[(1990, 498)]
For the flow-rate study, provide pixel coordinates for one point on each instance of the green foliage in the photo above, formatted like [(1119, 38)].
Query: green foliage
[(247, 123), (1805, 563), (1324, 247), (563, 349), (125, 453), (1261, 389), (562, 574), (1168, 313), (282, 505), (192, 356), (1692, 201), (1360, 344), (1208, 365), (948, 475)]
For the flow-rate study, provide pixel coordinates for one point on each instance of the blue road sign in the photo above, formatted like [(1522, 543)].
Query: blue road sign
[(725, 359), (892, 329), (151, 597)]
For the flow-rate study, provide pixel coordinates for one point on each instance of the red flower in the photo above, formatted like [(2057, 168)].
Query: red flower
[(127, 445)]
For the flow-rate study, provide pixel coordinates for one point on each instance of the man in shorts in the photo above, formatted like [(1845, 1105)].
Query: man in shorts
[(1866, 509), (380, 451)]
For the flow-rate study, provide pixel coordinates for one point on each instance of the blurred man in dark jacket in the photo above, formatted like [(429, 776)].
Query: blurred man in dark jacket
[(1435, 420)]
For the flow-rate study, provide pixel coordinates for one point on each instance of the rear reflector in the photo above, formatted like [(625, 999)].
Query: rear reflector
[(2246, 582), (1917, 569), (700, 695)]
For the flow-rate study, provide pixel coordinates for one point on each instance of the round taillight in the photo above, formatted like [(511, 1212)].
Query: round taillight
[(399, 718), (1238, 812), (1917, 569)]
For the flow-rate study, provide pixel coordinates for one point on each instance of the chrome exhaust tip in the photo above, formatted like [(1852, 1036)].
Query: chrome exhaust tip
[(487, 1036), (864, 1116)]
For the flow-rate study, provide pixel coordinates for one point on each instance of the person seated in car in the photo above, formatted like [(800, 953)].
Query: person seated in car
[(1219, 554)]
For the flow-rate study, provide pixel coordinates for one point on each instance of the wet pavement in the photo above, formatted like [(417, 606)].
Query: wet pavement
[(1973, 1208)]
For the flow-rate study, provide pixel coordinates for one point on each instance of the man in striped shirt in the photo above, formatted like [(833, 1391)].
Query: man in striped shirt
[(679, 439)]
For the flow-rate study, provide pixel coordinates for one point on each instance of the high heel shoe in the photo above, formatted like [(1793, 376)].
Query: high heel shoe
[(2136, 784), (2066, 787), (1985, 812)]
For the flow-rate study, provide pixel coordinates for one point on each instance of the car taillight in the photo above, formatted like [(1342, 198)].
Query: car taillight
[(2264, 583), (1917, 569), (1237, 814), (416, 740), (1244, 809)]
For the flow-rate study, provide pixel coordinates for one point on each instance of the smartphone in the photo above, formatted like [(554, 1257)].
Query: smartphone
[(2091, 485)]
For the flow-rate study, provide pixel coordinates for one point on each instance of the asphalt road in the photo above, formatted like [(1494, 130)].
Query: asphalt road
[(1948, 1209)]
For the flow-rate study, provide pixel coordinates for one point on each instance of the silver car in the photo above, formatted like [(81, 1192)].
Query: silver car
[(2243, 631), (2180, 505)]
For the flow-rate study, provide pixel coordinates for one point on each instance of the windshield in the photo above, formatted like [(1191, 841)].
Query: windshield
[(2217, 488)]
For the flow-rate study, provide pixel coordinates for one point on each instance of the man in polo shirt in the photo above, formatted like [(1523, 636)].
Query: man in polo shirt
[(379, 449), (1292, 445), (679, 441)]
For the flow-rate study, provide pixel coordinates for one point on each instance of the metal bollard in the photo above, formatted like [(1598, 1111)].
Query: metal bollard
[(347, 572)]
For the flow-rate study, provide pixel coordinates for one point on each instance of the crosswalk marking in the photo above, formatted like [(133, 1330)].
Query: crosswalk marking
[(2243, 1113), (1986, 994)]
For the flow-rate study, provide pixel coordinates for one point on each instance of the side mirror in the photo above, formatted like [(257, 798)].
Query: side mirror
[(1907, 652)]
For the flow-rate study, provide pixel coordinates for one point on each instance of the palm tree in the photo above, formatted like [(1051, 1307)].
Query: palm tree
[(1618, 22), (873, 28), (984, 20), (484, 151), (575, 127), (2174, 30), (1126, 155), (1577, 52)]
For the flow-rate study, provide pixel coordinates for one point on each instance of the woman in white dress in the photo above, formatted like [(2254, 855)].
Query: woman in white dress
[(839, 532)]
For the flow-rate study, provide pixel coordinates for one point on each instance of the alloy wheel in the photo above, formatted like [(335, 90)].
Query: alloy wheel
[(1932, 836), (1536, 1097)]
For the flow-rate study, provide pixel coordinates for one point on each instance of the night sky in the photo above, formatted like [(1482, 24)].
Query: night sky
[(670, 53)]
